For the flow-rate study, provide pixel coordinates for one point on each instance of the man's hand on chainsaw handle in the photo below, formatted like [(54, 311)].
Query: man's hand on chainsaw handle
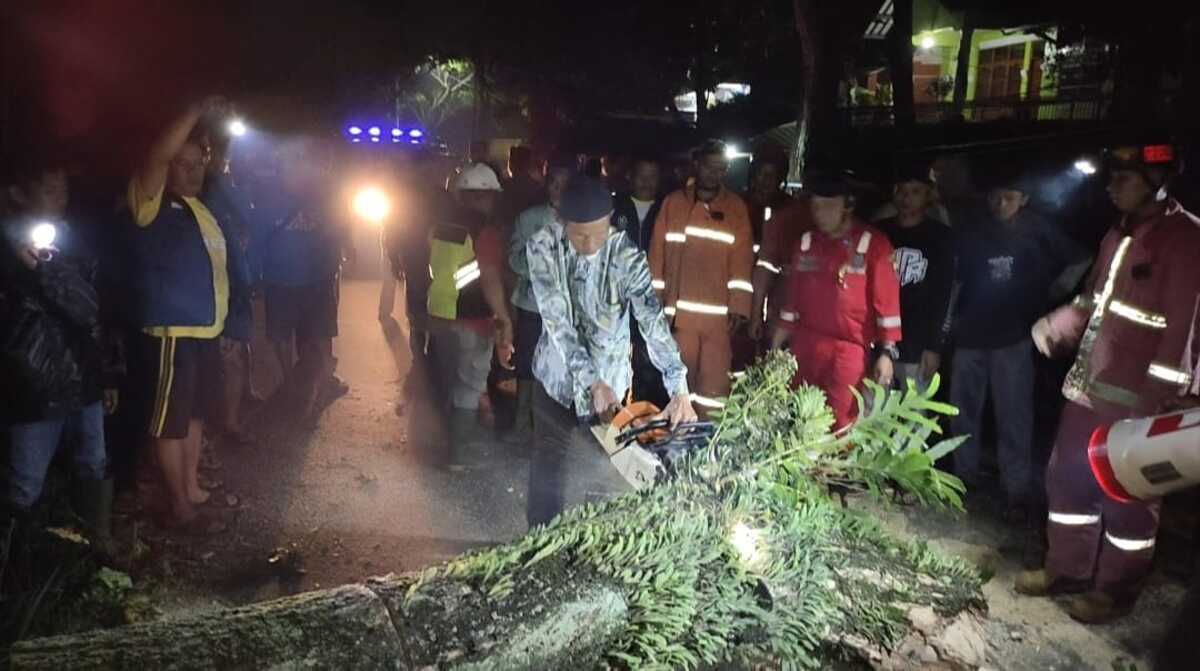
[(679, 410), (605, 403)]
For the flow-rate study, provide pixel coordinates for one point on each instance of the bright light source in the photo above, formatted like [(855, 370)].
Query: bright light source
[(416, 132), (414, 142), (357, 139), (1085, 167), (732, 152), (928, 42), (354, 130), (43, 235), (766, 214), (748, 542), (372, 204), (374, 131), (237, 128), (396, 132), (374, 139)]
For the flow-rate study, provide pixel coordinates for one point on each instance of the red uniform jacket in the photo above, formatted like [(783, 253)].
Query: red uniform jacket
[(701, 259), (1137, 322), (844, 288)]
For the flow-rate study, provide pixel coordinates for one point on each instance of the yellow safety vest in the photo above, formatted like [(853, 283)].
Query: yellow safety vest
[(454, 289)]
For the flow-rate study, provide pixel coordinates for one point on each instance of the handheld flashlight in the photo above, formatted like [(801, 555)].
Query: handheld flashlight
[(237, 127), (42, 235)]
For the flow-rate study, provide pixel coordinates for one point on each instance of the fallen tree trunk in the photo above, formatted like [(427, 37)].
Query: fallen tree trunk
[(741, 561), (551, 622)]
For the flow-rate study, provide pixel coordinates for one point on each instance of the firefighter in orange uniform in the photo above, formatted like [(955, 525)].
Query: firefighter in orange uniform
[(1137, 330), (701, 259), (842, 306)]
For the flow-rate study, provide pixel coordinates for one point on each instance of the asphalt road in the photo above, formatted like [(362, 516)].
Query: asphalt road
[(364, 493)]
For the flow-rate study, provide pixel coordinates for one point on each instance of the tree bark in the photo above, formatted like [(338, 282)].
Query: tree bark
[(963, 70), (557, 617), (702, 64), (902, 58), (805, 30)]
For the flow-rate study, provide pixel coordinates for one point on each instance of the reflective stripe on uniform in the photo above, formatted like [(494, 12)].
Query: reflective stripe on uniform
[(864, 243), (1129, 544), (889, 322), (1169, 375), (702, 308), (763, 263), (676, 237), (788, 316), (706, 401), (658, 284), (1150, 319), (1072, 520), (669, 310), (466, 275), (1113, 394), (709, 234), (756, 248), (468, 269), (1101, 300), (806, 242), (741, 285)]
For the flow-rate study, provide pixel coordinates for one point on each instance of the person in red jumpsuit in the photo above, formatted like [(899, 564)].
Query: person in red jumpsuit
[(842, 307)]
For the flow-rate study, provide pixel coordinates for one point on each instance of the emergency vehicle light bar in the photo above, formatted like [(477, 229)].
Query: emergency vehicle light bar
[(379, 133)]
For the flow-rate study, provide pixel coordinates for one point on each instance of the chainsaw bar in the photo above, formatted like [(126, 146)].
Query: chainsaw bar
[(669, 445)]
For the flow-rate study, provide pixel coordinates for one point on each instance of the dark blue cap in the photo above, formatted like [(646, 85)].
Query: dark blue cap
[(586, 199)]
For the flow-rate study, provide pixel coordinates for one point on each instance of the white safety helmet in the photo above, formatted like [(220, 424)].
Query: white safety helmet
[(477, 177)]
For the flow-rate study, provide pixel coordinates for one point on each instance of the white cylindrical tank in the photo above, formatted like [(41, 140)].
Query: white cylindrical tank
[(1147, 458)]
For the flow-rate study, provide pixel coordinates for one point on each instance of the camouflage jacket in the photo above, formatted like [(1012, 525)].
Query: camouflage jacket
[(585, 303)]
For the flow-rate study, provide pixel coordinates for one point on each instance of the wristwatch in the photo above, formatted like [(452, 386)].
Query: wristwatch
[(889, 349)]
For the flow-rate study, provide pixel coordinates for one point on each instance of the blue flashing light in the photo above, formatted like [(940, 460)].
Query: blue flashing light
[(415, 133), (414, 142), (374, 131), (357, 139), (396, 132), (395, 139), (374, 139), (354, 130)]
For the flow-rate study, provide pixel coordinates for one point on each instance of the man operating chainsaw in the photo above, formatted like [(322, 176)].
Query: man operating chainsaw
[(587, 278)]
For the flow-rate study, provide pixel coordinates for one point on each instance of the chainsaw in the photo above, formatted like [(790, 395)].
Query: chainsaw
[(645, 450)]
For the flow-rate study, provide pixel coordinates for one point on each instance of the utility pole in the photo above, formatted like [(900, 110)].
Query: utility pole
[(963, 70), (901, 52)]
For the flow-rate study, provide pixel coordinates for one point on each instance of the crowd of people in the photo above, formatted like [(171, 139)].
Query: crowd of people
[(580, 285)]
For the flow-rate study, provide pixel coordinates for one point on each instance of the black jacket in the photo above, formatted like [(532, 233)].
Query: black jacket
[(924, 260), (625, 218), (51, 344)]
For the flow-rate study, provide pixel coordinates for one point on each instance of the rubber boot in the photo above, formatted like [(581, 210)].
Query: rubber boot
[(93, 503), (521, 432)]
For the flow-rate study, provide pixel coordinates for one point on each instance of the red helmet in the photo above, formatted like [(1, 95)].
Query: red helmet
[(1156, 163)]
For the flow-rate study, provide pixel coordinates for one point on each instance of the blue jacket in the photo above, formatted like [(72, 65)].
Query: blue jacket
[(182, 276)]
